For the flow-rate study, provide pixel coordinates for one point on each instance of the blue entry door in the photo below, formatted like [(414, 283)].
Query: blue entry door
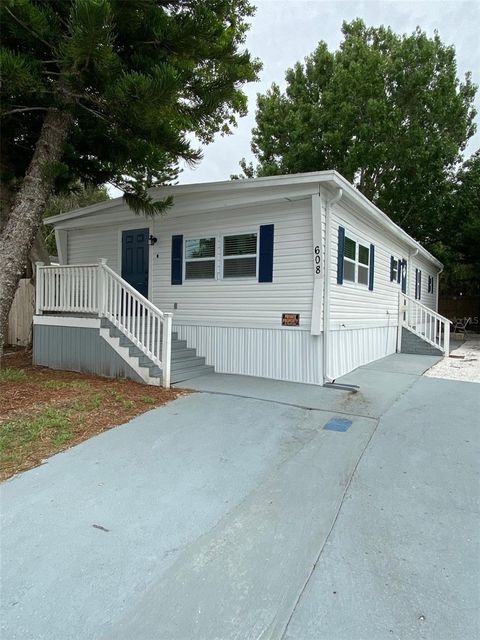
[(135, 259)]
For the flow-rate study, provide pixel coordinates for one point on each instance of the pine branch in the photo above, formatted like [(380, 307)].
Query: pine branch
[(27, 28), (21, 110)]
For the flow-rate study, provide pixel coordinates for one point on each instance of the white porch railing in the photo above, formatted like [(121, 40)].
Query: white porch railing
[(425, 323), (97, 289)]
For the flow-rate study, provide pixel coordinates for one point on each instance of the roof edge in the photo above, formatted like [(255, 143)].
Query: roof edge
[(318, 177)]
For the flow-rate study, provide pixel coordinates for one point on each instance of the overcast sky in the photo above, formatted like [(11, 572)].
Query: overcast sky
[(283, 32)]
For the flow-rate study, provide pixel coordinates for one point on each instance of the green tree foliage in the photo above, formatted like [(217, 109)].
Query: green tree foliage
[(459, 248), (77, 197), (386, 111), (109, 91), (138, 76)]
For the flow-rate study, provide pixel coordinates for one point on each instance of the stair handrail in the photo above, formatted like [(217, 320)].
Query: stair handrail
[(431, 336), (423, 306), (152, 335), (136, 294)]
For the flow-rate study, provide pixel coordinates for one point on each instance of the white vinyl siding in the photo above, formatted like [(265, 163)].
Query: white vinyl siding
[(87, 246), (429, 299), (239, 301), (353, 305)]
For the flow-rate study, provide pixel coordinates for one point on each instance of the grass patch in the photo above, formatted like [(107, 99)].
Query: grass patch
[(12, 375), (43, 412), (16, 435), (118, 397), (89, 404), (62, 384)]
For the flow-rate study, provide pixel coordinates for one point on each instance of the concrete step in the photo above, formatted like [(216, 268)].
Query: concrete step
[(185, 363), (183, 354), (176, 365), (181, 376), (184, 374), (177, 345), (411, 343)]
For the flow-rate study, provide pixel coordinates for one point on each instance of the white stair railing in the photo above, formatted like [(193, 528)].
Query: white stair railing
[(97, 289), (429, 325)]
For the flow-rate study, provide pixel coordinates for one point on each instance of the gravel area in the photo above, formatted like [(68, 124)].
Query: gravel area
[(463, 364)]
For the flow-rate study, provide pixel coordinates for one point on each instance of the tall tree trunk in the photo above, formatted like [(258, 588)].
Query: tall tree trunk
[(25, 216), (7, 188)]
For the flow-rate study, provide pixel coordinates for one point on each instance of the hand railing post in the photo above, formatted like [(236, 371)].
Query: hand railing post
[(39, 287), (166, 348), (446, 342), (101, 287)]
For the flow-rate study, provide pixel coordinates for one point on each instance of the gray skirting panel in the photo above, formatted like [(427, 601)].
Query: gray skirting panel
[(78, 349)]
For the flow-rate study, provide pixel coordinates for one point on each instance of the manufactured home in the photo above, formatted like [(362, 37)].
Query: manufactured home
[(296, 277)]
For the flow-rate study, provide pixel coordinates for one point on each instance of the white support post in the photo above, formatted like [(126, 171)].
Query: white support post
[(100, 287), (317, 265), (39, 288), (446, 342), (167, 348)]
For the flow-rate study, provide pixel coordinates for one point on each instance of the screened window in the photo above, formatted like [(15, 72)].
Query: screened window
[(418, 284), (356, 262), (394, 269), (200, 259), (240, 256), (430, 284)]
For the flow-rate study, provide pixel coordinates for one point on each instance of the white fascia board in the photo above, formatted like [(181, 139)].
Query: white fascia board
[(158, 193), (233, 186), (185, 207)]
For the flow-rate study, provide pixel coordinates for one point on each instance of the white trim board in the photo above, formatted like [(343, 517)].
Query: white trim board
[(67, 321), (318, 178)]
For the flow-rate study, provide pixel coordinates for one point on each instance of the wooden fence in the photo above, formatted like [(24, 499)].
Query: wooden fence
[(461, 308), (19, 328)]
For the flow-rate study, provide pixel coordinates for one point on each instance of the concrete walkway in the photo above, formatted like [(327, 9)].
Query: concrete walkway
[(233, 514)]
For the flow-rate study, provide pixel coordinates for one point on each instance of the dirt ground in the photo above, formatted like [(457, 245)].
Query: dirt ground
[(43, 411), (463, 363)]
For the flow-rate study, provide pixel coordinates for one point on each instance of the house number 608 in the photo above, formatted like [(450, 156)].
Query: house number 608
[(317, 258)]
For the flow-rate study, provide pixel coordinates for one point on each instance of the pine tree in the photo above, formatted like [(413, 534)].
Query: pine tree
[(109, 90)]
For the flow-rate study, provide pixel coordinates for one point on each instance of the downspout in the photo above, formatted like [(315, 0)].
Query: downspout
[(437, 289), (327, 285)]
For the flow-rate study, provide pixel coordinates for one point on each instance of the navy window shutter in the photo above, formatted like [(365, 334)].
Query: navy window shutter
[(419, 284), (371, 270), (340, 255), (177, 259), (392, 268), (265, 265), (399, 270)]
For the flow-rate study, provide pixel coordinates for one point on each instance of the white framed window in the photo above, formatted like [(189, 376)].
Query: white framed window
[(200, 258), (356, 262), (418, 284), (240, 255)]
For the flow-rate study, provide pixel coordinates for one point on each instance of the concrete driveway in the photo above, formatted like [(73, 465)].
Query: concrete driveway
[(233, 514)]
